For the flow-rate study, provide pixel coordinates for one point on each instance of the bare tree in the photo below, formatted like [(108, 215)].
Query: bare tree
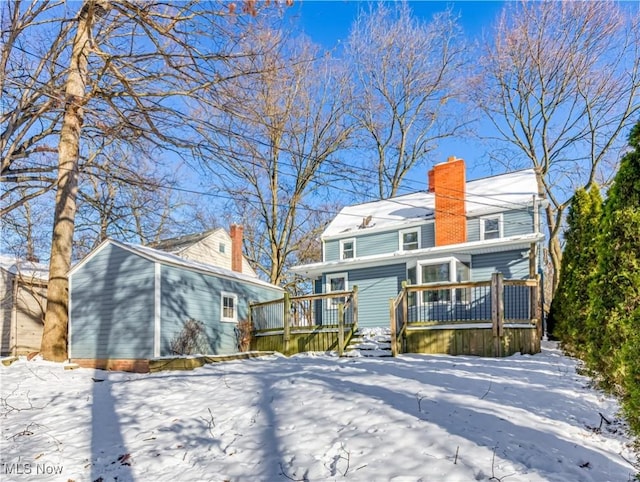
[(407, 74), (284, 127), (114, 72), (125, 194), (560, 81), (34, 38)]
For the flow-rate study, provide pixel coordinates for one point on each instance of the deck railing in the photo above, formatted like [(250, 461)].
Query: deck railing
[(335, 312), (497, 301)]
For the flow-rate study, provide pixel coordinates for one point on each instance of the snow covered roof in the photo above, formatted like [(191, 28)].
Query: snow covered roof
[(27, 269), (175, 245), (506, 191), (174, 260)]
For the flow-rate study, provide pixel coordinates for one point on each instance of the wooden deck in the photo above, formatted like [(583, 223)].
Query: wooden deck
[(320, 322), (466, 340), (485, 318)]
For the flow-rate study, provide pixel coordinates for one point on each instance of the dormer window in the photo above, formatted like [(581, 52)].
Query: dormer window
[(491, 227), (347, 248), (410, 239)]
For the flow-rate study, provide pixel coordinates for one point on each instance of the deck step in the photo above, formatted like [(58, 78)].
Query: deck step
[(370, 343)]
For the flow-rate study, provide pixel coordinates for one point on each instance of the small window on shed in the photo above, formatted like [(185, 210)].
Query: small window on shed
[(229, 307)]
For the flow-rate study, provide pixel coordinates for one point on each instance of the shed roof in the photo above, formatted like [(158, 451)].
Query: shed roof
[(514, 190), (170, 259)]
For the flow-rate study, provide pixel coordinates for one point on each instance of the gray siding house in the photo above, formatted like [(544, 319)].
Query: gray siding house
[(130, 303), (453, 231)]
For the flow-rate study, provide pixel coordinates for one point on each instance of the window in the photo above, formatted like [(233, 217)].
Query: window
[(411, 279), (436, 273), (409, 239), (444, 270), (491, 227), (229, 307), (336, 282), (222, 248), (463, 274), (347, 248)]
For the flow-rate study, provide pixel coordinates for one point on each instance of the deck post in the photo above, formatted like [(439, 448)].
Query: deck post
[(340, 329), (286, 322), (405, 316), (497, 312), (536, 309), (392, 317), (354, 309)]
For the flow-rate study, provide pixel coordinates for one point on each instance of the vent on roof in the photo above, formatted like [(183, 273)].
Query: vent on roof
[(365, 222)]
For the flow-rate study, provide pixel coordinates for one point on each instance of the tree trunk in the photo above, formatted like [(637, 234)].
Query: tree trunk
[(54, 337), (555, 253)]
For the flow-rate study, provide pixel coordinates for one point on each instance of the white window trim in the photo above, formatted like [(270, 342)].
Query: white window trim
[(225, 319), (428, 262), (401, 234), (333, 304), (342, 241), (500, 225), (451, 260)]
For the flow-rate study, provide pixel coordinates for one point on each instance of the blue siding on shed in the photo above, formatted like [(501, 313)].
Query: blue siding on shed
[(512, 264), (112, 306), (194, 295)]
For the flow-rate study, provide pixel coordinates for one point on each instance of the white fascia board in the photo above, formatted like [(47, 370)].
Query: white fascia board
[(90, 256), (314, 270)]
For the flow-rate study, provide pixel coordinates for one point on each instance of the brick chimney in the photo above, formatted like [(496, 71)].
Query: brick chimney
[(236, 247), (447, 181)]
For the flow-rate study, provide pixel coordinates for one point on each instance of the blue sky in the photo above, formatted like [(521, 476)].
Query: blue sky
[(328, 23)]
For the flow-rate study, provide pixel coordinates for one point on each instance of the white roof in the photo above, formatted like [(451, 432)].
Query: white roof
[(506, 191), (174, 260), (27, 269)]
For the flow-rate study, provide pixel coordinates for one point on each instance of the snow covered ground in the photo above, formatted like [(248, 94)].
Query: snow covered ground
[(314, 417)]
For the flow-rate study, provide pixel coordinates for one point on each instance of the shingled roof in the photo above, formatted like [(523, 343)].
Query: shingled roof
[(175, 245)]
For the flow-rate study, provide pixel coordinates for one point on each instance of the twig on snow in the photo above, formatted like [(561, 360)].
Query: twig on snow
[(488, 390), (282, 471), (635, 465), (493, 475), (211, 423), (347, 458)]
